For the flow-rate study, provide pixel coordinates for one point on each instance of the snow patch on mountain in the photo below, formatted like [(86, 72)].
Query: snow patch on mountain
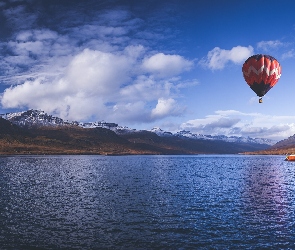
[(40, 118), (188, 134), (33, 118)]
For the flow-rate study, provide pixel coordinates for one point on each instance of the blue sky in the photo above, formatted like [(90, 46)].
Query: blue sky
[(143, 64)]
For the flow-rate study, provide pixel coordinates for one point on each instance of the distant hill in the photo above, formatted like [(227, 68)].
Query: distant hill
[(184, 145), (72, 139), (284, 147)]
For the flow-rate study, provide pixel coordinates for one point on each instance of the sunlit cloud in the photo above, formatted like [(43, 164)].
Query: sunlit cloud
[(113, 85), (166, 107), (218, 58), (166, 65), (99, 69)]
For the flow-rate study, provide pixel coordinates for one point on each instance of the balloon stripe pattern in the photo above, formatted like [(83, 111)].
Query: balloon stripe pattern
[(261, 72)]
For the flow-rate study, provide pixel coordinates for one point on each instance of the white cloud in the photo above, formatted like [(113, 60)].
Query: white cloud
[(32, 53), (91, 78), (40, 43), (36, 47), (166, 65), (101, 85), (267, 45), (218, 58), (236, 123), (42, 50), (144, 88), (36, 35), (98, 73), (89, 67), (166, 107)]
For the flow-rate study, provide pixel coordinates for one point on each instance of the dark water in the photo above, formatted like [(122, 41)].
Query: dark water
[(147, 202)]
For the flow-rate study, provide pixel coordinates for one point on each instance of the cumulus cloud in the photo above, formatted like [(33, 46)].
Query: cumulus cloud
[(100, 84), (98, 72), (97, 68), (166, 107), (218, 58), (34, 50), (166, 65), (236, 123), (146, 88), (90, 79)]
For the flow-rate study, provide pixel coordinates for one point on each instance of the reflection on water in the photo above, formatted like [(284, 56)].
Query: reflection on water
[(268, 197), (147, 202)]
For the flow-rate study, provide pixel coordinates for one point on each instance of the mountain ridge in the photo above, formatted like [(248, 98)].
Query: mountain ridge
[(35, 118), (35, 132), (283, 147)]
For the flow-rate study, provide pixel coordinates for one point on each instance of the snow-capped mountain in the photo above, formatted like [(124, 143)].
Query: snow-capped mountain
[(188, 134), (40, 118), (32, 118)]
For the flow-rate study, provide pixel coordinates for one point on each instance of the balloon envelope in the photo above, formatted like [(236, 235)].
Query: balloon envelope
[(261, 72)]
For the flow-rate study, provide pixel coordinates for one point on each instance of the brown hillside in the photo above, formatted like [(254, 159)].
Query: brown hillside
[(76, 140)]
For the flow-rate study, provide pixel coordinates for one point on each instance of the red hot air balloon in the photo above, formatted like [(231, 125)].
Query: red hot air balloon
[(261, 72)]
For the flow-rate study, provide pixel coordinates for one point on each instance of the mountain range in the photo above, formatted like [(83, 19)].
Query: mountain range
[(35, 132)]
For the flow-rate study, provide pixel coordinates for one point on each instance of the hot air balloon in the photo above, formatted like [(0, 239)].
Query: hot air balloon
[(261, 72)]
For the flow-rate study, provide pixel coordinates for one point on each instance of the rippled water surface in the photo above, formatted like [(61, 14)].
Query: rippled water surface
[(147, 202)]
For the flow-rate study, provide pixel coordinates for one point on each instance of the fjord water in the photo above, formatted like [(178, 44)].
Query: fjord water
[(147, 202)]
